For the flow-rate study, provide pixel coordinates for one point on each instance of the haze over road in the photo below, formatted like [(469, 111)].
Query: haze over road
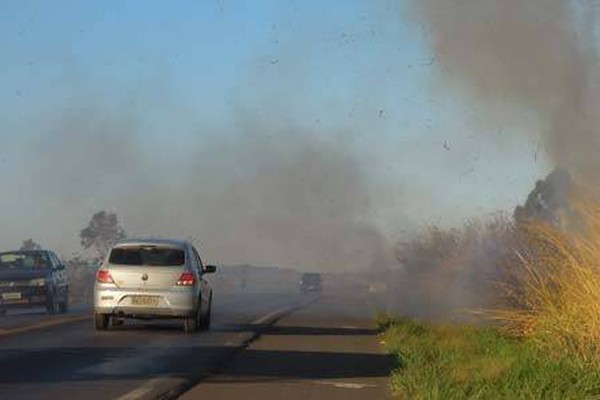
[(144, 360)]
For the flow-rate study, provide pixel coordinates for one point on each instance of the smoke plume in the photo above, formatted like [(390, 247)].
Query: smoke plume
[(536, 55), (270, 193)]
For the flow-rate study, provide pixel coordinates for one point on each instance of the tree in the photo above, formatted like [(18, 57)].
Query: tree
[(549, 200), (30, 244), (102, 233)]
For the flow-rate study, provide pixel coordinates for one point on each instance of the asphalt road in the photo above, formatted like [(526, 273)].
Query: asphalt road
[(326, 350), (63, 357), (72, 360)]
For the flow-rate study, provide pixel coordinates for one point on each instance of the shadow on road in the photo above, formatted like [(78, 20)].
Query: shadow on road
[(48, 365), (105, 363), (321, 331), (299, 330), (108, 362), (267, 365)]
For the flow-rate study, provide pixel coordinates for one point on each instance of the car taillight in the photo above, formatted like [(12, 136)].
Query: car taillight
[(103, 276), (186, 279)]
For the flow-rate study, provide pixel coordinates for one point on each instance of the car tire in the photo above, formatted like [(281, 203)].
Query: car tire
[(205, 319), (63, 307), (101, 321), (209, 315), (51, 306), (190, 324)]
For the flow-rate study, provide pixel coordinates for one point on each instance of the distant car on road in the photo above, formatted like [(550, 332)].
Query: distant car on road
[(34, 278), (151, 279), (310, 282)]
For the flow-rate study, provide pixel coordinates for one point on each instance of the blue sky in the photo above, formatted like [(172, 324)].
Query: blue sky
[(356, 71), (200, 53)]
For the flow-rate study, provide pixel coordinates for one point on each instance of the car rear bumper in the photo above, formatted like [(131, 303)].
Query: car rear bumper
[(169, 304), (27, 297), (145, 312)]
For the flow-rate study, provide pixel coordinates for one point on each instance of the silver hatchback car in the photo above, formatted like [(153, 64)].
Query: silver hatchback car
[(153, 278)]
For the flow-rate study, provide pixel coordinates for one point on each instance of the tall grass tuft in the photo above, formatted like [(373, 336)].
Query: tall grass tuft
[(552, 283)]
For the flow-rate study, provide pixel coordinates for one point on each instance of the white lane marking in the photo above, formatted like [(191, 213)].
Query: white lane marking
[(346, 385), (151, 385), (143, 390), (282, 311), (271, 315), (134, 362)]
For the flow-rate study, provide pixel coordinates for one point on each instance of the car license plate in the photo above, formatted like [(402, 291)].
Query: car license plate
[(144, 300), (11, 296)]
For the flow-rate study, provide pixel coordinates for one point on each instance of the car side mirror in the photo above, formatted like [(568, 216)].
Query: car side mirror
[(210, 269)]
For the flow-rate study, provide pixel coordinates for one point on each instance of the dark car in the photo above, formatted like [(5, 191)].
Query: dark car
[(34, 278), (310, 282)]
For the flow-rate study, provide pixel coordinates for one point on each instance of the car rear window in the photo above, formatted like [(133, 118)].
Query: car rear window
[(151, 255), (24, 259)]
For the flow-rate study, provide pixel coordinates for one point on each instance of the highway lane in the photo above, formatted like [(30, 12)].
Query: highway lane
[(37, 318), (328, 349), (72, 360)]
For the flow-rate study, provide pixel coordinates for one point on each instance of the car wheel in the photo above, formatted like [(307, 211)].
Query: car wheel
[(205, 321), (209, 315), (51, 306), (190, 324), (101, 321), (63, 307)]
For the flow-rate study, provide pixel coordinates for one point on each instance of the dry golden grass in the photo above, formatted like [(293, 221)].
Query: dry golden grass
[(538, 280), (552, 283)]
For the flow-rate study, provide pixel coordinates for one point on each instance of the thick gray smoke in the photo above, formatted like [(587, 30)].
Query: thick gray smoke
[(265, 193), (270, 176), (539, 56), (288, 198), (512, 58)]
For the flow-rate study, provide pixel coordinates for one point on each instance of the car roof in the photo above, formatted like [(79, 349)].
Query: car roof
[(25, 251), (177, 243)]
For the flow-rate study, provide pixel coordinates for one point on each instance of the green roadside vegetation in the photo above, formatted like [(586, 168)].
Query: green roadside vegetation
[(443, 361)]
